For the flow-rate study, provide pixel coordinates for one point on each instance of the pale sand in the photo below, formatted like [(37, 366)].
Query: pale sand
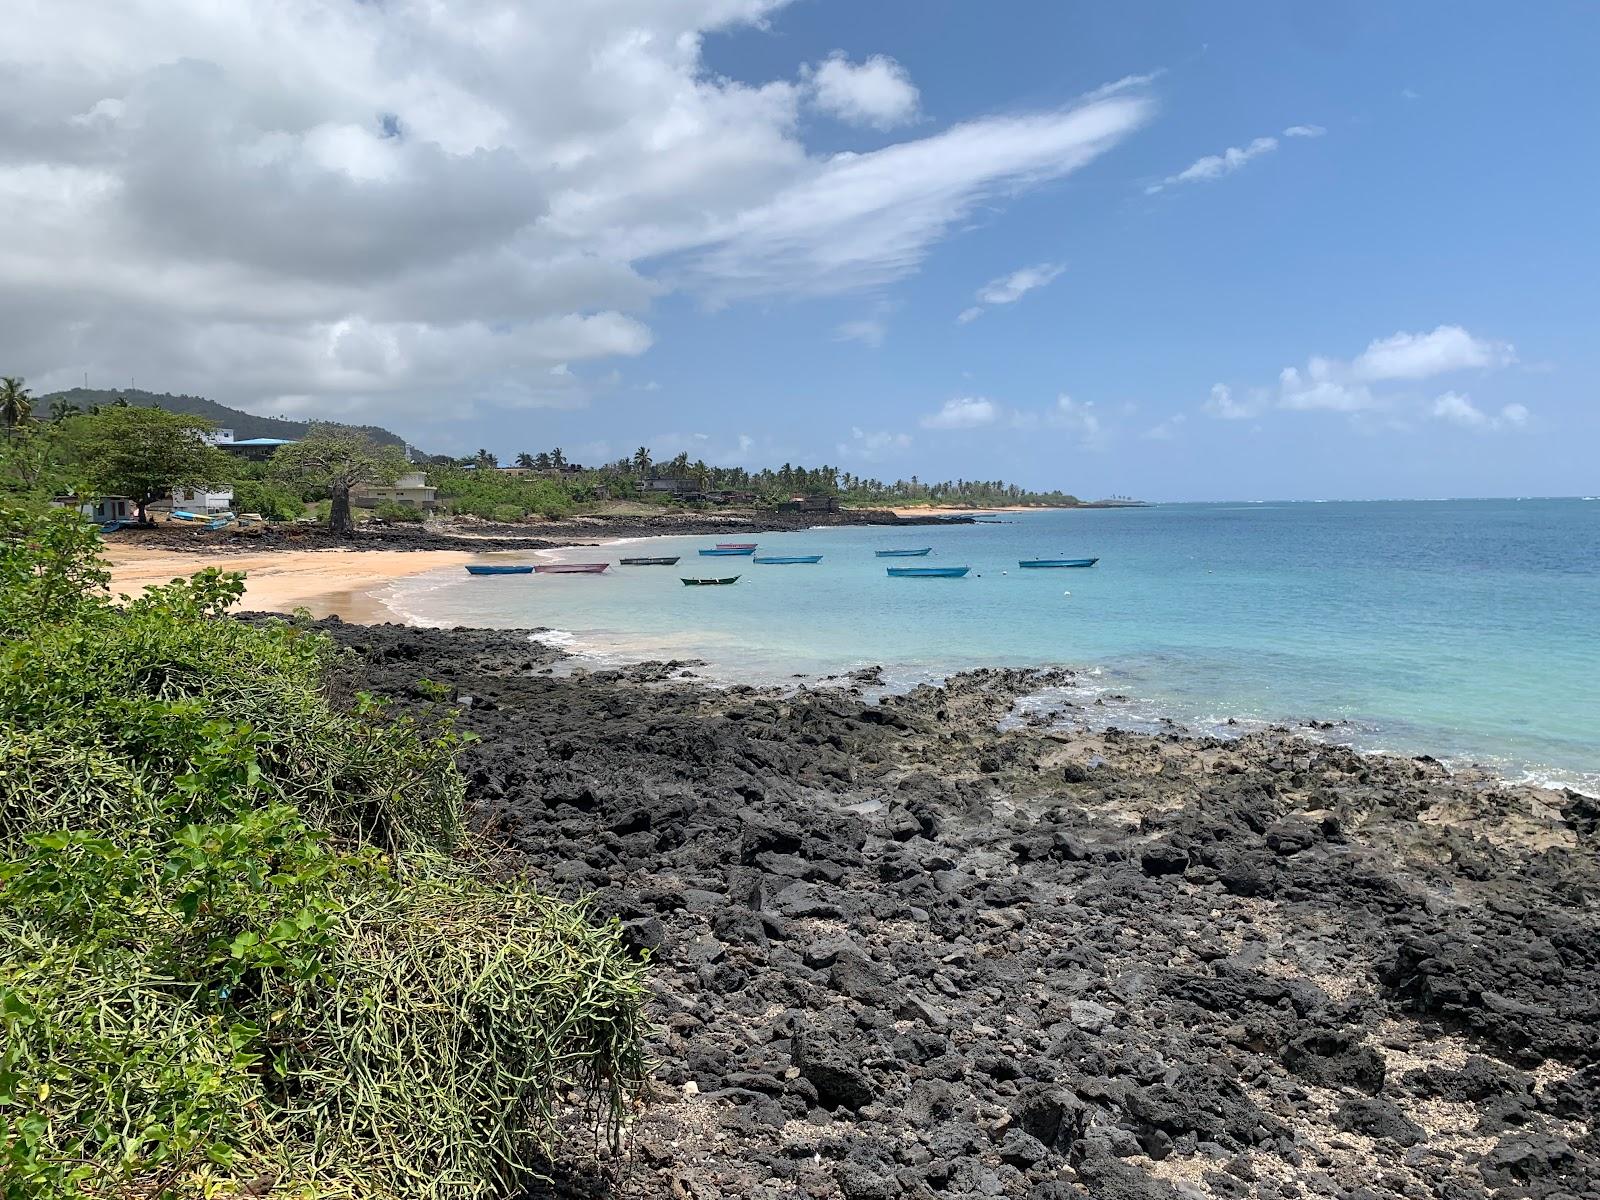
[(327, 582)]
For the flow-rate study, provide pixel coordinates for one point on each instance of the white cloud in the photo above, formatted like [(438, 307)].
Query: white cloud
[(878, 93), (1008, 289), (1304, 131), (1166, 431), (1222, 405), (963, 413), (1458, 409), (1421, 355), (421, 209), (1320, 392), (869, 332), (1078, 417), (1215, 166), (873, 446)]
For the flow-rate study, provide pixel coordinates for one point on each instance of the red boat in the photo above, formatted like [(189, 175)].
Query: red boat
[(736, 545), (570, 568)]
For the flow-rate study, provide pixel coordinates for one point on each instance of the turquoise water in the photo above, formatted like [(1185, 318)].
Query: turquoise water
[(1469, 629)]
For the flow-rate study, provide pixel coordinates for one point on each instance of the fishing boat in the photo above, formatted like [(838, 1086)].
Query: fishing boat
[(1057, 562), (776, 560), (928, 572), (736, 545), (709, 582), (923, 553), (649, 562), (728, 551), (500, 569), (570, 568)]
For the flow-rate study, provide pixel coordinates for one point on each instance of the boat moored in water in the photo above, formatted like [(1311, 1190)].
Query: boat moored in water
[(928, 572), (650, 562), (777, 560), (499, 569), (570, 568), (724, 582), (922, 553), (1057, 562), (728, 551), (736, 545)]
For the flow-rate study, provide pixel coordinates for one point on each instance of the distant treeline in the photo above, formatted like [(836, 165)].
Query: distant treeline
[(244, 425)]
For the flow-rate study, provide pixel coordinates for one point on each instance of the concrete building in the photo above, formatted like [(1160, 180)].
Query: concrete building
[(410, 489)]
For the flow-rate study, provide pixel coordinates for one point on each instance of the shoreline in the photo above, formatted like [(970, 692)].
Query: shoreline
[(898, 950)]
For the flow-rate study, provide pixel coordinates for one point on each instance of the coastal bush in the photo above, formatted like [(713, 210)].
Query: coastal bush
[(407, 514), (275, 501), (245, 940)]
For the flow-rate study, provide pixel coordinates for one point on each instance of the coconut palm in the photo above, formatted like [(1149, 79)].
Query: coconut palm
[(525, 461), (16, 405)]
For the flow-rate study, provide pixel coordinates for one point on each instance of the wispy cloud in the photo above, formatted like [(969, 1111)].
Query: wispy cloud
[(873, 446), (1304, 131), (1166, 431), (868, 331), (1008, 289), (1222, 405), (1215, 166), (1421, 355)]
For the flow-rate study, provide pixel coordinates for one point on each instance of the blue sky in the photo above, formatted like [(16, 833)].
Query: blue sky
[(1345, 250)]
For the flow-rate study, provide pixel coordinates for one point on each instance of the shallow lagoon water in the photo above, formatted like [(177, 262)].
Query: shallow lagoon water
[(1469, 629)]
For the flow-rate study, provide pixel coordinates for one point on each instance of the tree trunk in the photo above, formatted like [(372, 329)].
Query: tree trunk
[(339, 521)]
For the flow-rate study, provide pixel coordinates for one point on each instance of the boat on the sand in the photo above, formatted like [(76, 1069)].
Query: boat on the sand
[(709, 582), (728, 551), (922, 553), (499, 569), (649, 562), (928, 572), (777, 560), (570, 568), (1057, 562)]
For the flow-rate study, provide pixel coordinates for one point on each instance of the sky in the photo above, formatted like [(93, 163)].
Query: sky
[(1240, 251)]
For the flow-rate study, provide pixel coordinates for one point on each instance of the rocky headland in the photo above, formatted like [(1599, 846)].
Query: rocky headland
[(901, 952)]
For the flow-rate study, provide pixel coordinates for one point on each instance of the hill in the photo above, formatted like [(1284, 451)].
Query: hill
[(244, 425)]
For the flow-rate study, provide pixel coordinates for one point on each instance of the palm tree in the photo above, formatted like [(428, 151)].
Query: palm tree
[(485, 460), (16, 405), (61, 408), (525, 461), (557, 459), (541, 461), (641, 461)]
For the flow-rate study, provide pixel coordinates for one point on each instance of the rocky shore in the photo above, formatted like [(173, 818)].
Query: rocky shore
[(901, 953), (480, 536)]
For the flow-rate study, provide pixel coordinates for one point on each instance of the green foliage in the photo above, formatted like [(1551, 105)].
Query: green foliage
[(273, 500), (16, 404), (391, 510), (502, 496), (143, 453), (337, 459), (243, 935)]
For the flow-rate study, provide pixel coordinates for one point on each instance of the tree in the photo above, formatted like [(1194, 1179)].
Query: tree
[(143, 453), (61, 408), (16, 405), (525, 461), (641, 461), (485, 461), (541, 461), (557, 459), (338, 459)]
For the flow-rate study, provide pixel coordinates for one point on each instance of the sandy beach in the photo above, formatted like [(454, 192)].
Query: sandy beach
[(338, 583)]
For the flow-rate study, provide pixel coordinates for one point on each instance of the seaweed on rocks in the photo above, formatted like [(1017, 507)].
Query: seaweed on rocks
[(899, 952)]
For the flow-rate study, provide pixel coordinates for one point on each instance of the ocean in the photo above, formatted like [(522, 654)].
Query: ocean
[(1466, 629)]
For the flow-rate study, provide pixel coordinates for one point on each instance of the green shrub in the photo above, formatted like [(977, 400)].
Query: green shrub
[(507, 512), (275, 501), (390, 510), (243, 934)]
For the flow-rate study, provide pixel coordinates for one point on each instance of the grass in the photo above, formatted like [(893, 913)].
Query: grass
[(245, 938)]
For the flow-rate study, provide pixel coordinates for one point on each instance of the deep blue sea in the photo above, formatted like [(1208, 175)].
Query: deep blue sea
[(1468, 629)]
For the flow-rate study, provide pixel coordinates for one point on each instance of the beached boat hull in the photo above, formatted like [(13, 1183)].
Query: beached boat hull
[(1057, 562), (650, 562), (786, 560), (727, 552), (709, 582), (923, 553), (928, 572), (496, 569), (570, 568)]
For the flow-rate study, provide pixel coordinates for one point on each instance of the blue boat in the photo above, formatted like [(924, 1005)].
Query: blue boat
[(785, 560), (928, 572), (1057, 562), (728, 552), (500, 569), (904, 553)]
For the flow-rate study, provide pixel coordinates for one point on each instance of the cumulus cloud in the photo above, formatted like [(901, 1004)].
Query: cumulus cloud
[(1422, 355), (1079, 418), (1458, 409), (876, 93), (1167, 430), (423, 208), (967, 412), (1222, 405)]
